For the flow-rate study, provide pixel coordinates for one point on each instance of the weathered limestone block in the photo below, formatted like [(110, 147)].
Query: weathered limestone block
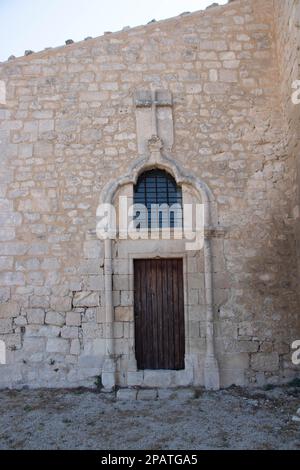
[(86, 299), (135, 378), (245, 329), (100, 315), (69, 332), (73, 319), (75, 347), (265, 362), (46, 331), (126, 394), (123, 314), (20, 321), (126, 298), (61, 304), (120, 282), (268, 347), (247, 346), (35, 316), (90, 330), (155, 378), (90, 266), (40, 301), (94, 283), (55, 318), (9, 310)]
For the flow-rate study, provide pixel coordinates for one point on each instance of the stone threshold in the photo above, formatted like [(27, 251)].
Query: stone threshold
[(155, 394)]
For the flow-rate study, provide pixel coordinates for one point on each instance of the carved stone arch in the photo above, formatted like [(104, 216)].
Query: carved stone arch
[(211, 369), (180, 176)]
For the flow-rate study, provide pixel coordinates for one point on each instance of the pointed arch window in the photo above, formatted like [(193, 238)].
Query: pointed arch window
[(158, 192)]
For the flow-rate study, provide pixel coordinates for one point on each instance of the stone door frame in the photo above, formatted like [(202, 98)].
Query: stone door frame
[(211, 369)]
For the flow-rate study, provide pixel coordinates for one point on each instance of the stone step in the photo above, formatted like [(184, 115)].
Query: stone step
[(182, 394)]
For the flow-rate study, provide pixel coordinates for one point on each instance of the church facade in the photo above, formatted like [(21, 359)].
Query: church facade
[(197, 111)]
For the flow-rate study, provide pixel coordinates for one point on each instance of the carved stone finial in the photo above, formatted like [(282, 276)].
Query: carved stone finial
[(155, 145)]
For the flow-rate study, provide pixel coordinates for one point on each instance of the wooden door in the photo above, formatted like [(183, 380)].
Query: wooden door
[(159, 314)]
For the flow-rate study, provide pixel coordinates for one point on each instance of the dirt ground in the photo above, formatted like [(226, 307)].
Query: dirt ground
[(84, 419)]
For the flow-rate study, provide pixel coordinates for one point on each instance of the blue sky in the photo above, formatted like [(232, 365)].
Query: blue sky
[(36, 24)]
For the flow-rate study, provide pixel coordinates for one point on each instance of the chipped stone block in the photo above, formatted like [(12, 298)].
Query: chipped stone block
[(86, 299)]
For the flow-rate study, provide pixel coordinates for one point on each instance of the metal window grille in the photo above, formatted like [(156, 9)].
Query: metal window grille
[(158, 191)]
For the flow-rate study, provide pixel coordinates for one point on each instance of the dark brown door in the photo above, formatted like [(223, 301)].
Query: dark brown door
[(159, 313)]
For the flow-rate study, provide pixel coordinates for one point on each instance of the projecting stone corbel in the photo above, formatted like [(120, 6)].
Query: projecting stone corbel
[(155, 146)]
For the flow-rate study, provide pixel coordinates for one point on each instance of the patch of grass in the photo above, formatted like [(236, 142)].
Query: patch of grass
[(67, 421), (98, 383), (27, 408), (198, 393), (269, 387), (79, 391), (294, 383)]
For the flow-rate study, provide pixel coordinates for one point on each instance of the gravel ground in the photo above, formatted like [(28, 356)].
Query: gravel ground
[(84, 419)]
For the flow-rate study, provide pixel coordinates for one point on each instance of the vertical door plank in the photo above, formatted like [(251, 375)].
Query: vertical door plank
[(159, 314)]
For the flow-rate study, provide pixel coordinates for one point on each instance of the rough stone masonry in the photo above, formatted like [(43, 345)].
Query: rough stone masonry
[(70, 129)]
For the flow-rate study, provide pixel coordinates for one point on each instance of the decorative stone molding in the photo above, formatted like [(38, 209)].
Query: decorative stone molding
[(211, 230)]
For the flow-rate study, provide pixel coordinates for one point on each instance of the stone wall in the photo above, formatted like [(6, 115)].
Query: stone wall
[(69, 127), (287, 24)]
